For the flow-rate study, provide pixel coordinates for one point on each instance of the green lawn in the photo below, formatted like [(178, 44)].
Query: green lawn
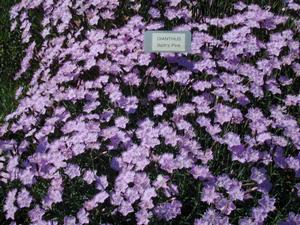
[(11, 53)]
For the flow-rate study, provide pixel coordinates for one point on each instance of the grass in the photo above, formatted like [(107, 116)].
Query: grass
[(11, 53)]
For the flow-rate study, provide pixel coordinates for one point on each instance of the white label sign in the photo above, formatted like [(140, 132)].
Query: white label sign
[(167, 41)]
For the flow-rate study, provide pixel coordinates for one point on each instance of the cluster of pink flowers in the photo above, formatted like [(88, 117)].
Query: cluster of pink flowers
[(152, 115)]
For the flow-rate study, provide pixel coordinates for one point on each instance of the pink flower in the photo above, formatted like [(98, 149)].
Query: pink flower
[(159, 110)]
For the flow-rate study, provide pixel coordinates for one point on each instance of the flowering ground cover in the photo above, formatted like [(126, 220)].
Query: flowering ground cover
[(96, 131)]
